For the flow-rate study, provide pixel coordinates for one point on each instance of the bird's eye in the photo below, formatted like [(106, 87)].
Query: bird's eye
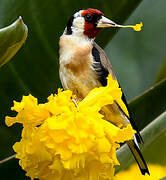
[(88, 17)]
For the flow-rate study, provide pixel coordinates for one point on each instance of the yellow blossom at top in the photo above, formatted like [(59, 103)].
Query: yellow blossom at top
[(156, 172), (65, 141)]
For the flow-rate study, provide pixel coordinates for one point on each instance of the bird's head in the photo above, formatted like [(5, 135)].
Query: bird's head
[(88, 22)]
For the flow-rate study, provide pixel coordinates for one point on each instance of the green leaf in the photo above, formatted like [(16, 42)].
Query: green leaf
[(164, 178), (11, 39), (154, 145), (149, 105), (138, 56), (162, 72)]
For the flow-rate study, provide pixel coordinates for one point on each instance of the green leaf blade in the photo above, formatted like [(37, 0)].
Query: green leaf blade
[(155, 142), (149, 105), (11, 40)]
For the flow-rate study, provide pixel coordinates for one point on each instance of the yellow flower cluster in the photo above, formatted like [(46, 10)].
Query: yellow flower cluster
[(63, 141), (156, 172)]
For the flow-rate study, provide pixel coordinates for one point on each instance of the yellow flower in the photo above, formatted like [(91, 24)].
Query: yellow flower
[(62, 141), (137, 27), (156, 172), (29, 112)]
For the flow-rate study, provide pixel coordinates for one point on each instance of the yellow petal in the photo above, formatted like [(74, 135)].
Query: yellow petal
[(138, 27)]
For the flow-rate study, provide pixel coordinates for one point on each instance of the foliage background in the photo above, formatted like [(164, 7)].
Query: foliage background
[(140, 54), (136, 57)]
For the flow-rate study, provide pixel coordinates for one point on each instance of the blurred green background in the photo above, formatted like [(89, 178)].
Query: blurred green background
[(137, 58)]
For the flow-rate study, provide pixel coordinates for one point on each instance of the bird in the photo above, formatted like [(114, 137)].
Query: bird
[(83, 66)]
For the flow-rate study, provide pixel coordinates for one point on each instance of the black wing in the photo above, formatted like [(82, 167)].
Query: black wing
[(102, 68)]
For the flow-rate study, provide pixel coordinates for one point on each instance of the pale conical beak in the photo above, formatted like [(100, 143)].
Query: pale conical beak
[(105, 22)]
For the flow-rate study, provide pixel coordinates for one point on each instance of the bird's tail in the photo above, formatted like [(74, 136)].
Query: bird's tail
[(138, 157)]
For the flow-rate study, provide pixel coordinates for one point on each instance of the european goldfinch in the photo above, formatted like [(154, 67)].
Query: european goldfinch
[(84, 66)]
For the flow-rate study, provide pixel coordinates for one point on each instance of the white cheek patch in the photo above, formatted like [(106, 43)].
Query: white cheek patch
[(79, 23), (78, 14)]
